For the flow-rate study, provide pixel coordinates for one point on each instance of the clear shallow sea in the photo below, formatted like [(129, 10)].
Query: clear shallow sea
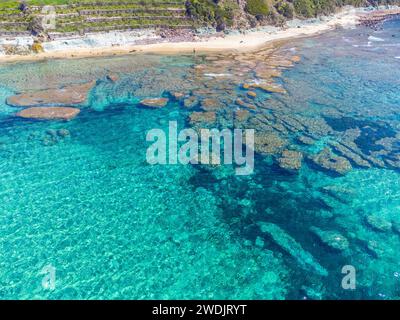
[(115, 227)]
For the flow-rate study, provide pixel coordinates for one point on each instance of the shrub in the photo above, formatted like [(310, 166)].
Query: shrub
[(304, 8), (285, 9), (210, 12), (257, 7)]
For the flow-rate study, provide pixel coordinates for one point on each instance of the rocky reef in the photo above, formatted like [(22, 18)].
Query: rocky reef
[(290, 160), (70, 95), (49, 113), (154, 103), (292, 247), (329, 161), (332, 239)]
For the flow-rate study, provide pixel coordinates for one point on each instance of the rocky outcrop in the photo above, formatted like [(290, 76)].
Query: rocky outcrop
[(177, 96), (113, 77), (332, 239), (268, 143), (241, 115), (210, 104), (49, 113), (154, 103), (378, 223), (202, 117), (190, 102), (67, 96), (306, 140), (290, 160), (292, 247), (327, 160)]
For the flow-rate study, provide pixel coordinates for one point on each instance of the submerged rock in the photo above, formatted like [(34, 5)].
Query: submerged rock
[(154, 102), (378, 223), (190, 102), (306, 140), (178, 96), (241, 115), (268, 143), (311, 293), (375, 248), (327, 160), (244, 104), (210, 104), (290, 160), (113, 77), (340, 193), (296, 59), (70, 95), (273, 88), (396, 226), (202, 117), (49, 113), (251, 94), (292, 247), (63, 133), (332, 239)]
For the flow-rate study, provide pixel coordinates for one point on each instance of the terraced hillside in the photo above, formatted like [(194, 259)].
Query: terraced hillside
[(82, 16)]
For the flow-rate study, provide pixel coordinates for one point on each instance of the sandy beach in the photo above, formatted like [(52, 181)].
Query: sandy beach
[(347, 18)]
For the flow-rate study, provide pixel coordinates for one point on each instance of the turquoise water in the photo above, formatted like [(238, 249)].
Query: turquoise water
[(115, 227)]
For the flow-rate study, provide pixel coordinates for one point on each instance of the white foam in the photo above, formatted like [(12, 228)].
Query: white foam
[(376, 39), (215, 75)]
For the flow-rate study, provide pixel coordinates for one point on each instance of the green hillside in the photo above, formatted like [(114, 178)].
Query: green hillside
[(80, 16)]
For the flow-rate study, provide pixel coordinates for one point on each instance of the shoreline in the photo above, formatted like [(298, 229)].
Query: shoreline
[(217, 43)]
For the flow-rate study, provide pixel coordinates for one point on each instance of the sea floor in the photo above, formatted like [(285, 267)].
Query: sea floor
[(80, 197)]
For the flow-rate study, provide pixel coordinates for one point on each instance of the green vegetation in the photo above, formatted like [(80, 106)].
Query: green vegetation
[(305, 8), (212, 13), (257, 7), (80, 16), (285, 9)]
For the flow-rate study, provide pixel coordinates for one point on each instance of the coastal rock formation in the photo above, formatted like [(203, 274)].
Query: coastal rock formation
[(268, 143), (210, 104), (375, 248), (339, 193), (53, 136), (378, 223), (306, 140), (67, 96), (49, 113), (177, 96), (154, 103), (327, 160), (202, 117), (292, 247), (251, 94), (241, 115), (290, 160), (273, 88), (63, 133), (113, 77), (396, 226), (242, 103), (190, 102), (332, 239)]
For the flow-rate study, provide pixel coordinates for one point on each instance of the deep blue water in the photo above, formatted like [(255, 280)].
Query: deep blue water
[(115, 227)]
